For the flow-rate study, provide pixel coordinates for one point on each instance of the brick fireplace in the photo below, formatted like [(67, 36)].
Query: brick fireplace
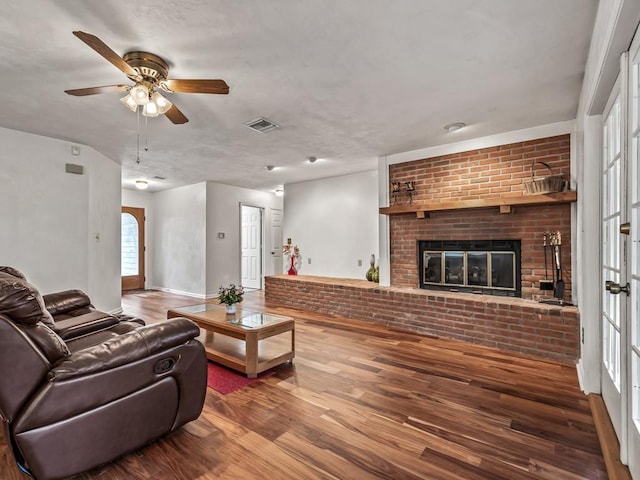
[(480, 177), (478, 174)]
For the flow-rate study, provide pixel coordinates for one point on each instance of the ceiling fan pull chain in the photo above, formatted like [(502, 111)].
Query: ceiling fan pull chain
[(138, 137), (146, 134)]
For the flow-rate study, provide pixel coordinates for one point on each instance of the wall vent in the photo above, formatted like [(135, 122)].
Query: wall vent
[(261, 125), (73, 168)]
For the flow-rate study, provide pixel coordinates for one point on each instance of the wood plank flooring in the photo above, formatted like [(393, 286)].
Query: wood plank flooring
[(364, 402)]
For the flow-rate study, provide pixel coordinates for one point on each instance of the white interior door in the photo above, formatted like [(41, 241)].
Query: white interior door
[(276, 240), (251, 239)]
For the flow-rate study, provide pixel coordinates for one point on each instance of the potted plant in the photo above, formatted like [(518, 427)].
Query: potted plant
[(230, 296)]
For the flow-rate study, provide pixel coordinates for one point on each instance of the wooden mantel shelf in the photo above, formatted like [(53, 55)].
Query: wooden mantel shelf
[(505, 203)]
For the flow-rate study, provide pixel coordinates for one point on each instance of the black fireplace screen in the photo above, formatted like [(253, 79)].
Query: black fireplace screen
[(482, 266)]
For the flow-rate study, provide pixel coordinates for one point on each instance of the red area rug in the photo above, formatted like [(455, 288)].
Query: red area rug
[(225, 381)]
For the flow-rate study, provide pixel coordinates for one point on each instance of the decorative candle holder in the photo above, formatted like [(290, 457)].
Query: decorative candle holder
[(411, 188)]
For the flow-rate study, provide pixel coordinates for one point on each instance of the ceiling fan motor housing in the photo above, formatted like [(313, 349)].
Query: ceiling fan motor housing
[(152, 67)]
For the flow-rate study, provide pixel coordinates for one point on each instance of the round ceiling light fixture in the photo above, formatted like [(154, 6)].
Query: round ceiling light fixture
[(142, 184), (279, 192), (452, 127), (269, 167), (312, 159)]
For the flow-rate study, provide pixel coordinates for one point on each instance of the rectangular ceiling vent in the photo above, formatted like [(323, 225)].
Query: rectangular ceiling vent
[(158, 177), (262, 125)]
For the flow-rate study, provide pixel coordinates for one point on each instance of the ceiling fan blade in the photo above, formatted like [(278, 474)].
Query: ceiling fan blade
[(176, 116), (81, 92), (197, 86), (102, 48)]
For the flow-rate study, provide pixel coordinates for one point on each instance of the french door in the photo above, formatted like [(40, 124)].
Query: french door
[(620, 259), (629, 232)]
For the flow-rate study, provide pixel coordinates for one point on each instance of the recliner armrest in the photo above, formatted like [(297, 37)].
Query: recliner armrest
[(126, 348), (91, 322), (66, 300)]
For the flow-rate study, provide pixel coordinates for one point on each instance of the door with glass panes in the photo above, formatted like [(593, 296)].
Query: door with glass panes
[(132, 248), (620, 260)]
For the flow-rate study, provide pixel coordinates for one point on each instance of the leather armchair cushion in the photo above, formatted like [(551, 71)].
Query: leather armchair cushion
[(20, 301), (13, 272), (47, 341), (65, 301)]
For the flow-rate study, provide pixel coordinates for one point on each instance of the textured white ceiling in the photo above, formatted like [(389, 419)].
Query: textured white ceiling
[(347, 80)]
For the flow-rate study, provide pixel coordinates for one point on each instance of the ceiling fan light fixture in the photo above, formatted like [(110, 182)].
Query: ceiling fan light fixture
[(161, 102), (140, 94), (142, 184), (150, 109), (129, 102)]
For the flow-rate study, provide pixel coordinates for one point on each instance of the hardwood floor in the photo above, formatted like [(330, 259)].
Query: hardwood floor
[(364, 402)]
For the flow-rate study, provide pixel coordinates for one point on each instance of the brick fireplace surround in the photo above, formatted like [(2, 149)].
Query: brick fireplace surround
[(515, 324)]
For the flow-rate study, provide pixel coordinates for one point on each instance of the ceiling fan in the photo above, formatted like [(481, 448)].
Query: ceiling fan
[(149, 72)]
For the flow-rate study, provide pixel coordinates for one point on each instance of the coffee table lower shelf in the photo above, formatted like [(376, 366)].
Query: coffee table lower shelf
[(239, 355)]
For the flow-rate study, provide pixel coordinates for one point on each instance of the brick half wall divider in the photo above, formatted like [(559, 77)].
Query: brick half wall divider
[(511, 324)]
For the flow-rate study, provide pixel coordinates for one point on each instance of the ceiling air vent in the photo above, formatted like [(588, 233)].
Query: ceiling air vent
[(262, 125), (158, 177)]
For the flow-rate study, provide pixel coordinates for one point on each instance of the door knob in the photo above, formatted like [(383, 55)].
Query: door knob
[(616, 288), (625, 228)]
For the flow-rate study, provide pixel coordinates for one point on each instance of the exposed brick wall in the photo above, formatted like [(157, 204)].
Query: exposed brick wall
[(483, 173), (475, 174), (511, 324)]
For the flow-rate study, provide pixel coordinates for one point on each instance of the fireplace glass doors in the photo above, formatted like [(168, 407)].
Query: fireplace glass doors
[(488, 266)]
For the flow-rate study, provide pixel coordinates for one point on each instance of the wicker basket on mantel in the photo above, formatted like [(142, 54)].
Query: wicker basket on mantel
[(549, 184)]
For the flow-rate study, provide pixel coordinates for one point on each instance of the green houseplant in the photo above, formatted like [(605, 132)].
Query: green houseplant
[(230, 296)]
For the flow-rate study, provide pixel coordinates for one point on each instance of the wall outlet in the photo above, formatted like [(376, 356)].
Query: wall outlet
[(220, 235), (359, 263)]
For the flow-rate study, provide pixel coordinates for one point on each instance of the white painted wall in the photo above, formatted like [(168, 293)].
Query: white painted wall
[(48, 216), (179, 238), (334, 221), (104, 237), (142, 199), (223, 216)]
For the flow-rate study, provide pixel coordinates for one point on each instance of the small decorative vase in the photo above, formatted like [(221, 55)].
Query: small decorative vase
[(292, 269), (376, 275), (372, 268), (230, 308)]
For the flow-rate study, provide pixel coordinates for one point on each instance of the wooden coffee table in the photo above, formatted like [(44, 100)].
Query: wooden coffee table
[(249, 342)]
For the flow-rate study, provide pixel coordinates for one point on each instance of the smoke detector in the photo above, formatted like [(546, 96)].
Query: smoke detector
[(261, 125)]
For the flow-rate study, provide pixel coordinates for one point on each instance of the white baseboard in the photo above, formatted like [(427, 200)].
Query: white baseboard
[(188, 294)]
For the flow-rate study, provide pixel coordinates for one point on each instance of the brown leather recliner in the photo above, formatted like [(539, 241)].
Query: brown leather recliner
[(74, 315), (72, 312), (68, 406)]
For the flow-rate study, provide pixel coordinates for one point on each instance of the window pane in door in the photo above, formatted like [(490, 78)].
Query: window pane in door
[(611, 258), (129, 245)]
